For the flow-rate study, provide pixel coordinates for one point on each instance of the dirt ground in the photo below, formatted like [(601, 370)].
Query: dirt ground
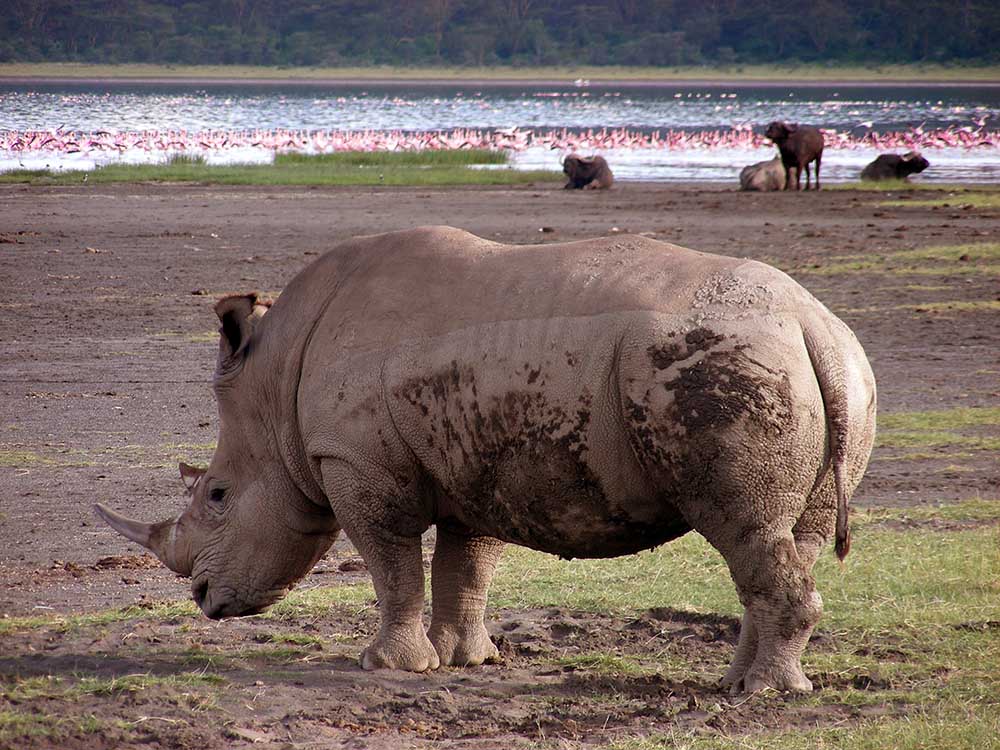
[(107, 346)]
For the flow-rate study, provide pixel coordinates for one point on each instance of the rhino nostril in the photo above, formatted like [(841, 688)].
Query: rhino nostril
[(200, 591)]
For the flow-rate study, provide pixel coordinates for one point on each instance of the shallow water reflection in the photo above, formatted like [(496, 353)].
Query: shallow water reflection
[(853, 110)]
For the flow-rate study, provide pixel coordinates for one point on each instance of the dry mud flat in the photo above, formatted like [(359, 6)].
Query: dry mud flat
[(107, 346)]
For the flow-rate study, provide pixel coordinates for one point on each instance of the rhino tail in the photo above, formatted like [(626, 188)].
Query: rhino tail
[(831, 374)]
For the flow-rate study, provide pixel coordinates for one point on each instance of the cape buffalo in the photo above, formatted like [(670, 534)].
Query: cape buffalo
[(798, 145), (590, 173), (895, 167)]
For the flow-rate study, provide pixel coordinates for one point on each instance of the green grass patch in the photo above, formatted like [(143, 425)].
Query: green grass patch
[(18, 725), (187, 160), (418, 168), (950, 306), (164, 610), (975, 199), (972, 253), (273, 654), (605, 663), (883, 583), (21, 459), (972, 509), (949, 724), (300, 604), (906, 186), (686, 574), (204, 337), (155, 456), (934, 439), (316, 603), (21, 689), (939, 260), (296, 639), (908, 614), (784, 73), (939, 428)]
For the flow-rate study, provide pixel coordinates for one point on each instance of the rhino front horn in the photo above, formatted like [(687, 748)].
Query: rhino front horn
[(158, 538)]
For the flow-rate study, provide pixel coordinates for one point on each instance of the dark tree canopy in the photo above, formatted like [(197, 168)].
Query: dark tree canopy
[(499, 32)]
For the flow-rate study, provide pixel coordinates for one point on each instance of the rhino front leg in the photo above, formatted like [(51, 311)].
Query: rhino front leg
[(370, 516), (461, 574)]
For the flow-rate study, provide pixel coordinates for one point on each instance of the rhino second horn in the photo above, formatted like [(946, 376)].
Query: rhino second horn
[(158, 538)]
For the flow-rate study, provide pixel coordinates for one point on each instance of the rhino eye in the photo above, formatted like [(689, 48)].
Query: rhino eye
[(217, 495)]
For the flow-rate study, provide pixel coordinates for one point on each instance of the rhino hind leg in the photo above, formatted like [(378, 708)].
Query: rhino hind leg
[(395, 562), (771, 566), (782, 605), (461, 573), (808, 543), (746, 651)]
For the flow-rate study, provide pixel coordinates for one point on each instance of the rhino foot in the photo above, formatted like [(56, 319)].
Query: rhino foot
[(746, 652), (407, 649), (791, 680), (465, 647)]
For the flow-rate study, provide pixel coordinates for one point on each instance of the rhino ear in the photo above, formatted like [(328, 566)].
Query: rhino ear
[(190, 475), (238, 317)]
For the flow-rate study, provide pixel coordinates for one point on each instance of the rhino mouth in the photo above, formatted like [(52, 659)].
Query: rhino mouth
[(218, 604)]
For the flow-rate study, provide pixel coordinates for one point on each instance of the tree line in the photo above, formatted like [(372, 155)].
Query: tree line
[(499, 32)]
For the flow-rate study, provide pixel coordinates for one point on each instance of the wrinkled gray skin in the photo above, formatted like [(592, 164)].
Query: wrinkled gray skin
[(895, 167), (589, 399), (763, 176), (798, 146), (587, 173)]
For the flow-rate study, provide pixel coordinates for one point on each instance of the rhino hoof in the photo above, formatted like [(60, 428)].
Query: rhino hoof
[(463, 650), (410, 654), (793, 682)]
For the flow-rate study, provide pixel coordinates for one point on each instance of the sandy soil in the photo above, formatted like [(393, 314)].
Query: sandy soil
[(107, 346)]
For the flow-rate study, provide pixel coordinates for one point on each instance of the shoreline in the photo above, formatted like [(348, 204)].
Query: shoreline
[(582, 76), (430, 82)]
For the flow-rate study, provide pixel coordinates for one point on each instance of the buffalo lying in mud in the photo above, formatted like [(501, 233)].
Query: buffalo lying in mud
[(590, 173), (763, 176), (588, 399), (895, 167), (799, 146)]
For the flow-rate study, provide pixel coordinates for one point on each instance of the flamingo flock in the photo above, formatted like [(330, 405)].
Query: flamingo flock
[(60, 141)]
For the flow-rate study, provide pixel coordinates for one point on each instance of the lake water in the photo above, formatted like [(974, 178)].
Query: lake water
[(852, 111)]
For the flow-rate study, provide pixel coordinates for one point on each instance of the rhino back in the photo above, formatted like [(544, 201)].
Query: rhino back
[(378, 292)]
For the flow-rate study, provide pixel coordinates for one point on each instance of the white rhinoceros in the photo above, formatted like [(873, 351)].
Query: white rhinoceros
[(588, 399)]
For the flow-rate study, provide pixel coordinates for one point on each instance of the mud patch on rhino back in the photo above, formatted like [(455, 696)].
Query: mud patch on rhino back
[(726, 387), (704, 387)]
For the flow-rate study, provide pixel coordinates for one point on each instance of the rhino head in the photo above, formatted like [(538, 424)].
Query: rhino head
[(249, 532)]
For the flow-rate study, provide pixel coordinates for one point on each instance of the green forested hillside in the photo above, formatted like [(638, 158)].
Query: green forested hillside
[(499, 32)]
